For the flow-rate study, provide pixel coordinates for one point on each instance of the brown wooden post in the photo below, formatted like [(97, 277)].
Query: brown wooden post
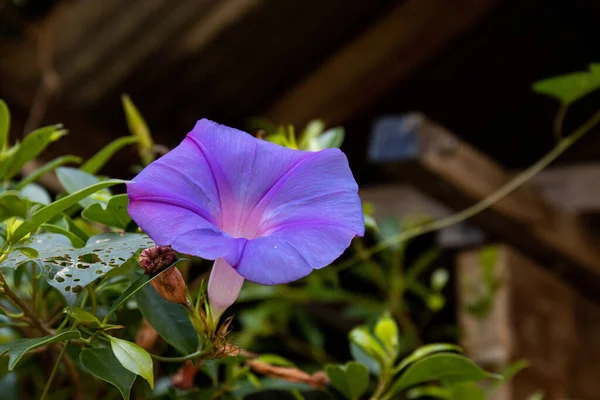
[(534, 316)]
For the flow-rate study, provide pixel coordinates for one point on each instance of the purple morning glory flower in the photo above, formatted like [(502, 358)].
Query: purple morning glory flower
[(264, 212)]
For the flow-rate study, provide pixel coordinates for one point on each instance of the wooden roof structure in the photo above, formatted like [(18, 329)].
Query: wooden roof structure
[(467, 64)]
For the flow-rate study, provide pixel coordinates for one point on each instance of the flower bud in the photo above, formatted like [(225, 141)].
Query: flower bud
[(155, 259), (171, 286)]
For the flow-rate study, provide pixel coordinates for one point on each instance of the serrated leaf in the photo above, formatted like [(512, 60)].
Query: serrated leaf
[(133, 358), (73, 179), (33, 144), (4, 125), (71, 269), (445, 367), (570, 87), (352, 379), (170, 320), (50, 211), (17, 348), (114, 213), (95, 164), (103, 364)]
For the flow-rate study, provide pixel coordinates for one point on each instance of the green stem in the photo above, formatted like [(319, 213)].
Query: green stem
[(559, 120), (34, 286), (382, 385), (53, 373), (197, 354), (487, 202)]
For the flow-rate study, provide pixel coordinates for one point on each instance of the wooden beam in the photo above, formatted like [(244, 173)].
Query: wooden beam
[(386, 53), (404, 201), (531, 316), (573, 188), (416, 150)]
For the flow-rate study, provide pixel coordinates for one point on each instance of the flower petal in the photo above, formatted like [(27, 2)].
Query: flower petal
[(245, 168), (270, 261), (182, 175), (224, 287), (184, 230), (316, 208)]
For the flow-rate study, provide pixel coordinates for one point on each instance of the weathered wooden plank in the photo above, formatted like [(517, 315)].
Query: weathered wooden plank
[(405, 201), (418, 151), (532, 316), (573, 188), (387, 52)]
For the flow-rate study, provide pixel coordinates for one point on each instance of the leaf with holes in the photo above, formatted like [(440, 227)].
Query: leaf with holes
[(71, 269)]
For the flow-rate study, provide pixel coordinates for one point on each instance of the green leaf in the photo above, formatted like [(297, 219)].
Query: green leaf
[(310, 134), (45, 213), (439, 279), (352, 379), (103, 364), (31, 147), (139, 129), (44, 169), (386, 331), (170, 320), (425, 351), (17, 348), (363, 338), (331, 138), (114, 213), (4, 125), (570, 87), (83, 316), (538, 395), (74, 239), (133, 358), (445, 367), (466, 391), (135, 287), (70, 269), (28, 251), (12, 205), (99, 160), (360, 355), (73, 179), (36, 194)]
